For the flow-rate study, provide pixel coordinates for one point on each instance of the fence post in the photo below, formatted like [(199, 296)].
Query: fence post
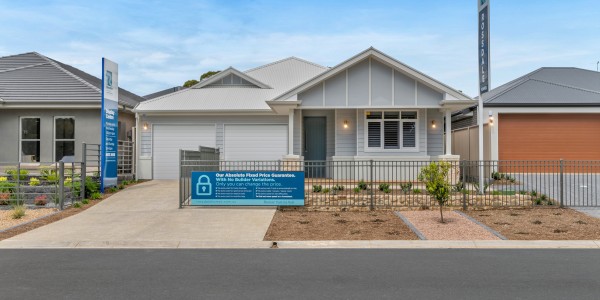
[(83, 169), (463, 184), (371, 188), (61, 185), (18, 178), (181, 180), (562, 182)]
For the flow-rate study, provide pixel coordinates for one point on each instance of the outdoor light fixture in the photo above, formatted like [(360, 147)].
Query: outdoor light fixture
[(345, 123), (145, 126), (433, 124), (491, 115)]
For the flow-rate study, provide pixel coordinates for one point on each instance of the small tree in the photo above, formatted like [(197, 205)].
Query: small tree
[(435, 176)]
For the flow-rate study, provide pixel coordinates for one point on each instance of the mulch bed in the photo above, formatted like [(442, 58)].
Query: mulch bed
[(57, 217), (540, 223), (315, 226)]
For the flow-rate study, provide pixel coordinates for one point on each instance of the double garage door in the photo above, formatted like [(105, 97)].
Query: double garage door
[(549, 136), (240, 142)]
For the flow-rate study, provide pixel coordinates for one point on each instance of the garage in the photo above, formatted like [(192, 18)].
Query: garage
[(168, 139), (255, 142), (549, 136)]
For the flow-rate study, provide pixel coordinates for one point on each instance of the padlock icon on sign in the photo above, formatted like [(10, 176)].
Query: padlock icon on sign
[(203, 187)]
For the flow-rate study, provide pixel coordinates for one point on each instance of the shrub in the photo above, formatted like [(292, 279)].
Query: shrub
[(485, 187), (113, 190), (387, 190), (85, 201), (522, 192), (3, 178), (357, 190), (76, 205), (416, 191), (406, 187), (496, 175), (338, 188), (95, 196), (34, 181), (7, 187), (48, 174), (533, 193), (13, 174), (40, 200), (91, 186), (121, 186), (317, 188), (435, 176), (125, 182), (4, 198), (384, 186), (362, 185), (326, 190), (18, 211)]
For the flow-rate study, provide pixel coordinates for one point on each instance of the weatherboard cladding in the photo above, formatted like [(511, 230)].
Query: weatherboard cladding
[(548, 87), (281, 76), (33, 78)]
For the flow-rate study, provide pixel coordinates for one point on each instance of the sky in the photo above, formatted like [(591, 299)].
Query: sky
[(161, 44)]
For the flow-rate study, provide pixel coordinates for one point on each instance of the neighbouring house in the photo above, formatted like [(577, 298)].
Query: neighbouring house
[(368, 107), (548, 114), (163, 92), (48, 109)]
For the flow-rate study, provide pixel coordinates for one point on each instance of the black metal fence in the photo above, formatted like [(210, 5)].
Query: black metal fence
[(387, 184)]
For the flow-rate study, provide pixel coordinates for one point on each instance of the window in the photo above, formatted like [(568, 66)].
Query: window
[(391, 130), (30, 139), (64, 137)]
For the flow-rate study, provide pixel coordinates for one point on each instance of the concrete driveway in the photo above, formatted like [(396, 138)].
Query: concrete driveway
[(148, 214)]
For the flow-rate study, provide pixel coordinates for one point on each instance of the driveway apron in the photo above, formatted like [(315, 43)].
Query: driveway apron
[(150, 212)]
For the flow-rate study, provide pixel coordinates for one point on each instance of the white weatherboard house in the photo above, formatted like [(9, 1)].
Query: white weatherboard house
[(370, 106)]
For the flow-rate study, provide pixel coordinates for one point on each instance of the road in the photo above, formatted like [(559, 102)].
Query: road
[(300, 274)]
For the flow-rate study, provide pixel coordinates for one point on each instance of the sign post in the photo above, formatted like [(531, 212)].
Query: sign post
[(484, 74), (110, 117)]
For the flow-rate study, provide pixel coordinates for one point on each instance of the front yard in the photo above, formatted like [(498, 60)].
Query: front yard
[(513, 224)]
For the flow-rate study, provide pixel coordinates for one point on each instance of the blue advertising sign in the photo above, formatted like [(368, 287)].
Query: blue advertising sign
[(110, 117), (268, 188), (484, 45)]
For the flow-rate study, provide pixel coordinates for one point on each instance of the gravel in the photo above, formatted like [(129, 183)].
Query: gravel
[(6, 220), (456, 227)]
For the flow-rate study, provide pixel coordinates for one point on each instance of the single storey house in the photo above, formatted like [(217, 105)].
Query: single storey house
[(368, 107), (48, 109), (548, 114)]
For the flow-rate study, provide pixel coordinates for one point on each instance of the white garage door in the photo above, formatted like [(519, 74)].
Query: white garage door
[(168, 139), (255, 142)]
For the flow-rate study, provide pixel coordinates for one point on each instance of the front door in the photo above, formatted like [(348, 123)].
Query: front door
[(315, 148)]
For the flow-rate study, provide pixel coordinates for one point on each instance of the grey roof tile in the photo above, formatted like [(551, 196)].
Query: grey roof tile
[(34, 78), (548, 87)]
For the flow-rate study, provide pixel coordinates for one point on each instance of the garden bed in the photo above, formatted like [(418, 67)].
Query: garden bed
[(305, 226), (540, 223), (7, 221), (455, 226)]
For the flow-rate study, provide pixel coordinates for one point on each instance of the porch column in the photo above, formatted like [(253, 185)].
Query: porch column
[(291, 133), (448, 132)]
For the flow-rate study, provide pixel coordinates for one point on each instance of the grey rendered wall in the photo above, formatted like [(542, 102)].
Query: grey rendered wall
[(146, 135), (87, 129), (370, 82), (345, 140), (360, 150), (435, 136)]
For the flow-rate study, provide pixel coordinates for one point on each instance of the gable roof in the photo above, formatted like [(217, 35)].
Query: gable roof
[(372, 52), (32, 78), (548, 86), (279, 76), (231, 70)]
